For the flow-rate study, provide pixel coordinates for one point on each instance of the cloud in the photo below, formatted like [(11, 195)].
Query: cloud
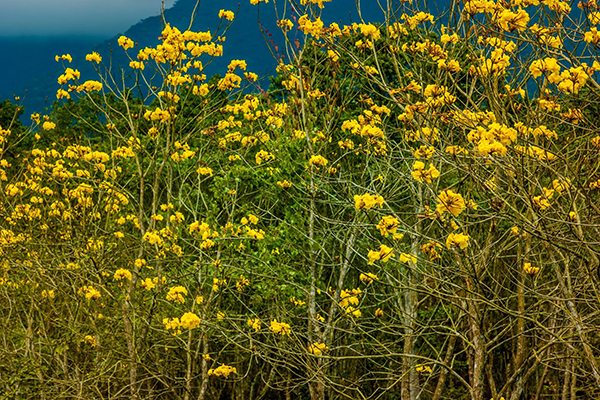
[(74, 17)]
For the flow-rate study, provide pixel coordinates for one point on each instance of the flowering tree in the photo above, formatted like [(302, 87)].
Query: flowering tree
[(411, 214)]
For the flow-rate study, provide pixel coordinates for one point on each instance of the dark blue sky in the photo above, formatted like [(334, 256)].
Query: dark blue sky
[(103, 18)]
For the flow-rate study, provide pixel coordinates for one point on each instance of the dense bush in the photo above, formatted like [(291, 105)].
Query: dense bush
[(410, 212)]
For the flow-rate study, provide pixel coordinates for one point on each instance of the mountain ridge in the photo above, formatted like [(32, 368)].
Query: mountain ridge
[(244, 40)]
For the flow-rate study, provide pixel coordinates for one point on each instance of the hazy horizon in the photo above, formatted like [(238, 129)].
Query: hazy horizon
[(60, 18)]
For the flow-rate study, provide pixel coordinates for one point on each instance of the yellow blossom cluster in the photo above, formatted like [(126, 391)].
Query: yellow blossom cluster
[(389, 224), (94, 57), (310, 27), (383, 254), (189, 320), (176, 294), (317, 2), (254, 323), (448, 201), (493, 139), (172, 324), (349, 298), (458, 240), (367, 201), (121, 274), (228, 15), (569, 81), (529, 269), (411, 21), (317, 349), (318, 161), (70, 74), (406, 258), (223, 370), (89, 292), (368, 277), (424, 175), (280, 328), (89, 86)]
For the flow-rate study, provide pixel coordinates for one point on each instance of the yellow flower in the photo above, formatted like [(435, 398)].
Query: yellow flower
[(250, 76), (62, 94), (176, 293), (152, 238), (547, 65), (541, 202), (309, 27), (47, 126), (509, 20), (280, 327), (223, 370), (379, 313), (95, 57), (242, 283), (384, 254), (172, 324), (317, 348), (177, 217), (229, 82), (254, 324), (89, 292), (370, 31), (66, 57), (349, 297), (529, 269), (423, 368), (367, 201), (148, 284), (255, 234), (406, 258), (296, 302), (318, 161), (121, 274), (218, 283), (205, 171), (262, 156), (429, 249), (284, 185), (387, 225), (125, 42), (457, 239), (353, 312), (228, 15), (235, 64), (285, 24), (424, 175), (451, 202), (368, 277), (90, 340), (137, 65), (190, 321)]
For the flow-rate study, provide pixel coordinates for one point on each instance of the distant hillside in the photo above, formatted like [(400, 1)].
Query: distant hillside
[(27, 61), (244, 41)]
